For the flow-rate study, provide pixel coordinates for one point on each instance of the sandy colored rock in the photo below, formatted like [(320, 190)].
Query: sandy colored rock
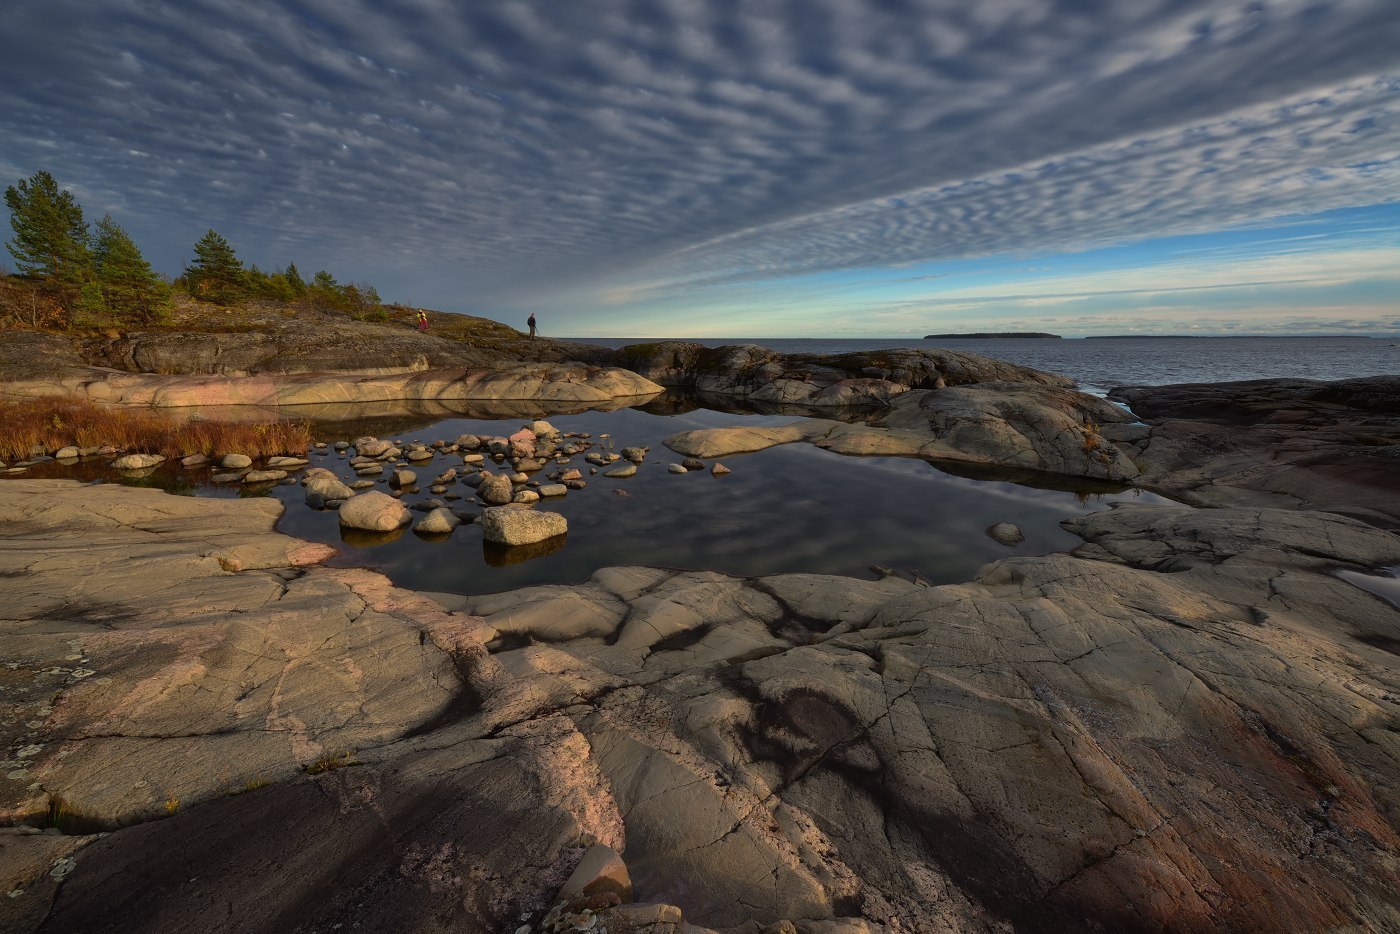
[(438, 522), (137, 461), (600, 870), (511, 526), (496, 490), (321, 489), (236, 462), (373, 511), (264, 476)]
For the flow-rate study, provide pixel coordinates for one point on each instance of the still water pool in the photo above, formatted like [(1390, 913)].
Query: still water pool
[(793, 508)]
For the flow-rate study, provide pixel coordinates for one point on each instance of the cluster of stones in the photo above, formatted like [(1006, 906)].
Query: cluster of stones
[(500, 470), (65, 455)]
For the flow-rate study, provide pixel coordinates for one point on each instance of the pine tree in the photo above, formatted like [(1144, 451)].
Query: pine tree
[(131, 290), (51, 237), (295, 280), (217, 273)]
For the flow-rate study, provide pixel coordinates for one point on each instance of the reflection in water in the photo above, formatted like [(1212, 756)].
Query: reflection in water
[(1081, 487), (364, 538), (504, 556), (388, 417), (681, 402)]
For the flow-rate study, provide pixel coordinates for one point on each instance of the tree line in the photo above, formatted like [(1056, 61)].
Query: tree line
[(95, 277)]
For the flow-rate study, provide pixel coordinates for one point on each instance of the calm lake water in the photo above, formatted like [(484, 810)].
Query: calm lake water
[(1099, 364)]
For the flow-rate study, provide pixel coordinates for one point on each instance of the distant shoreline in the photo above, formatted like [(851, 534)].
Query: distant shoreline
[(993, 335), (1177, 337)]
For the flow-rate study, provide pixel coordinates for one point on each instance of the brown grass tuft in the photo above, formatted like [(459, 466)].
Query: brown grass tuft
[(54, 422)]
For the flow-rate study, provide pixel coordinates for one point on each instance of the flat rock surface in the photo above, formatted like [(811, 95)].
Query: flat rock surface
[(822, 381), (1189, 723), (1283, 443)]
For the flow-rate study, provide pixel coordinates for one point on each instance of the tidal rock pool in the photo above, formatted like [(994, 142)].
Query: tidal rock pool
[(792, 508)]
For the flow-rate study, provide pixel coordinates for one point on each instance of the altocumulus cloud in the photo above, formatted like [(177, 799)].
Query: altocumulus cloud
[(485, 154)]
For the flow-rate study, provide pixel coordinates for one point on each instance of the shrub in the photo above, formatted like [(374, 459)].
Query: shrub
[(54, 422)]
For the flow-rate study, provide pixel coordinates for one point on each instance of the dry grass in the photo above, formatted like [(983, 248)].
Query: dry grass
[(54, 422)]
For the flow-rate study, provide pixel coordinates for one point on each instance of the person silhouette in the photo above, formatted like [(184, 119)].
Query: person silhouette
[(531, 323)]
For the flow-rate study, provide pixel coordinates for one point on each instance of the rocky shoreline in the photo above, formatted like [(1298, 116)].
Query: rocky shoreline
[(1188, 723)]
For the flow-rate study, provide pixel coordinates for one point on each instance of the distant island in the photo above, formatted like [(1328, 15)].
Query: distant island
[(991, 334)]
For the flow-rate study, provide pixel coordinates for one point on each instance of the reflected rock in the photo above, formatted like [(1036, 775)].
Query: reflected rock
[(363, 538), (139, 474), (500, 556)]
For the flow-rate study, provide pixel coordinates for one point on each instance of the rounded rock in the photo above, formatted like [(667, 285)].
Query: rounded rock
[(138, 461), (374, 512), (438, 522), (510, 526), (496, 491), (1006, 534)]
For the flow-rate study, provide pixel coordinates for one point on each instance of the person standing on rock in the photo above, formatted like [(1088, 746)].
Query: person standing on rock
[(422, 320), (531, 323)]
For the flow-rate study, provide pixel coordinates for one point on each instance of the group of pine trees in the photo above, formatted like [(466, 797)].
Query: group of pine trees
[(97, 274), (98, 277), (217, 275)]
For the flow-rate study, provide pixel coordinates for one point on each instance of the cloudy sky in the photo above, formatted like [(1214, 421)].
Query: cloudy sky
[(753, 167)]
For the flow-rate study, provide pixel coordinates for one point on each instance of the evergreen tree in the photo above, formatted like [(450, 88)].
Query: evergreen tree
[(131, 290), (295, 280), (217, 274), (51, 237)]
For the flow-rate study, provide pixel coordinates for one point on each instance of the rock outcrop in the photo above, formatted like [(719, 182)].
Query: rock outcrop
[(1186, 724), (1293, 443), (1032, 427), (871, 378), (534, 382)]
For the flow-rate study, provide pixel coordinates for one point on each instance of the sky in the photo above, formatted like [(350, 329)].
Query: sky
[(748, 168)]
